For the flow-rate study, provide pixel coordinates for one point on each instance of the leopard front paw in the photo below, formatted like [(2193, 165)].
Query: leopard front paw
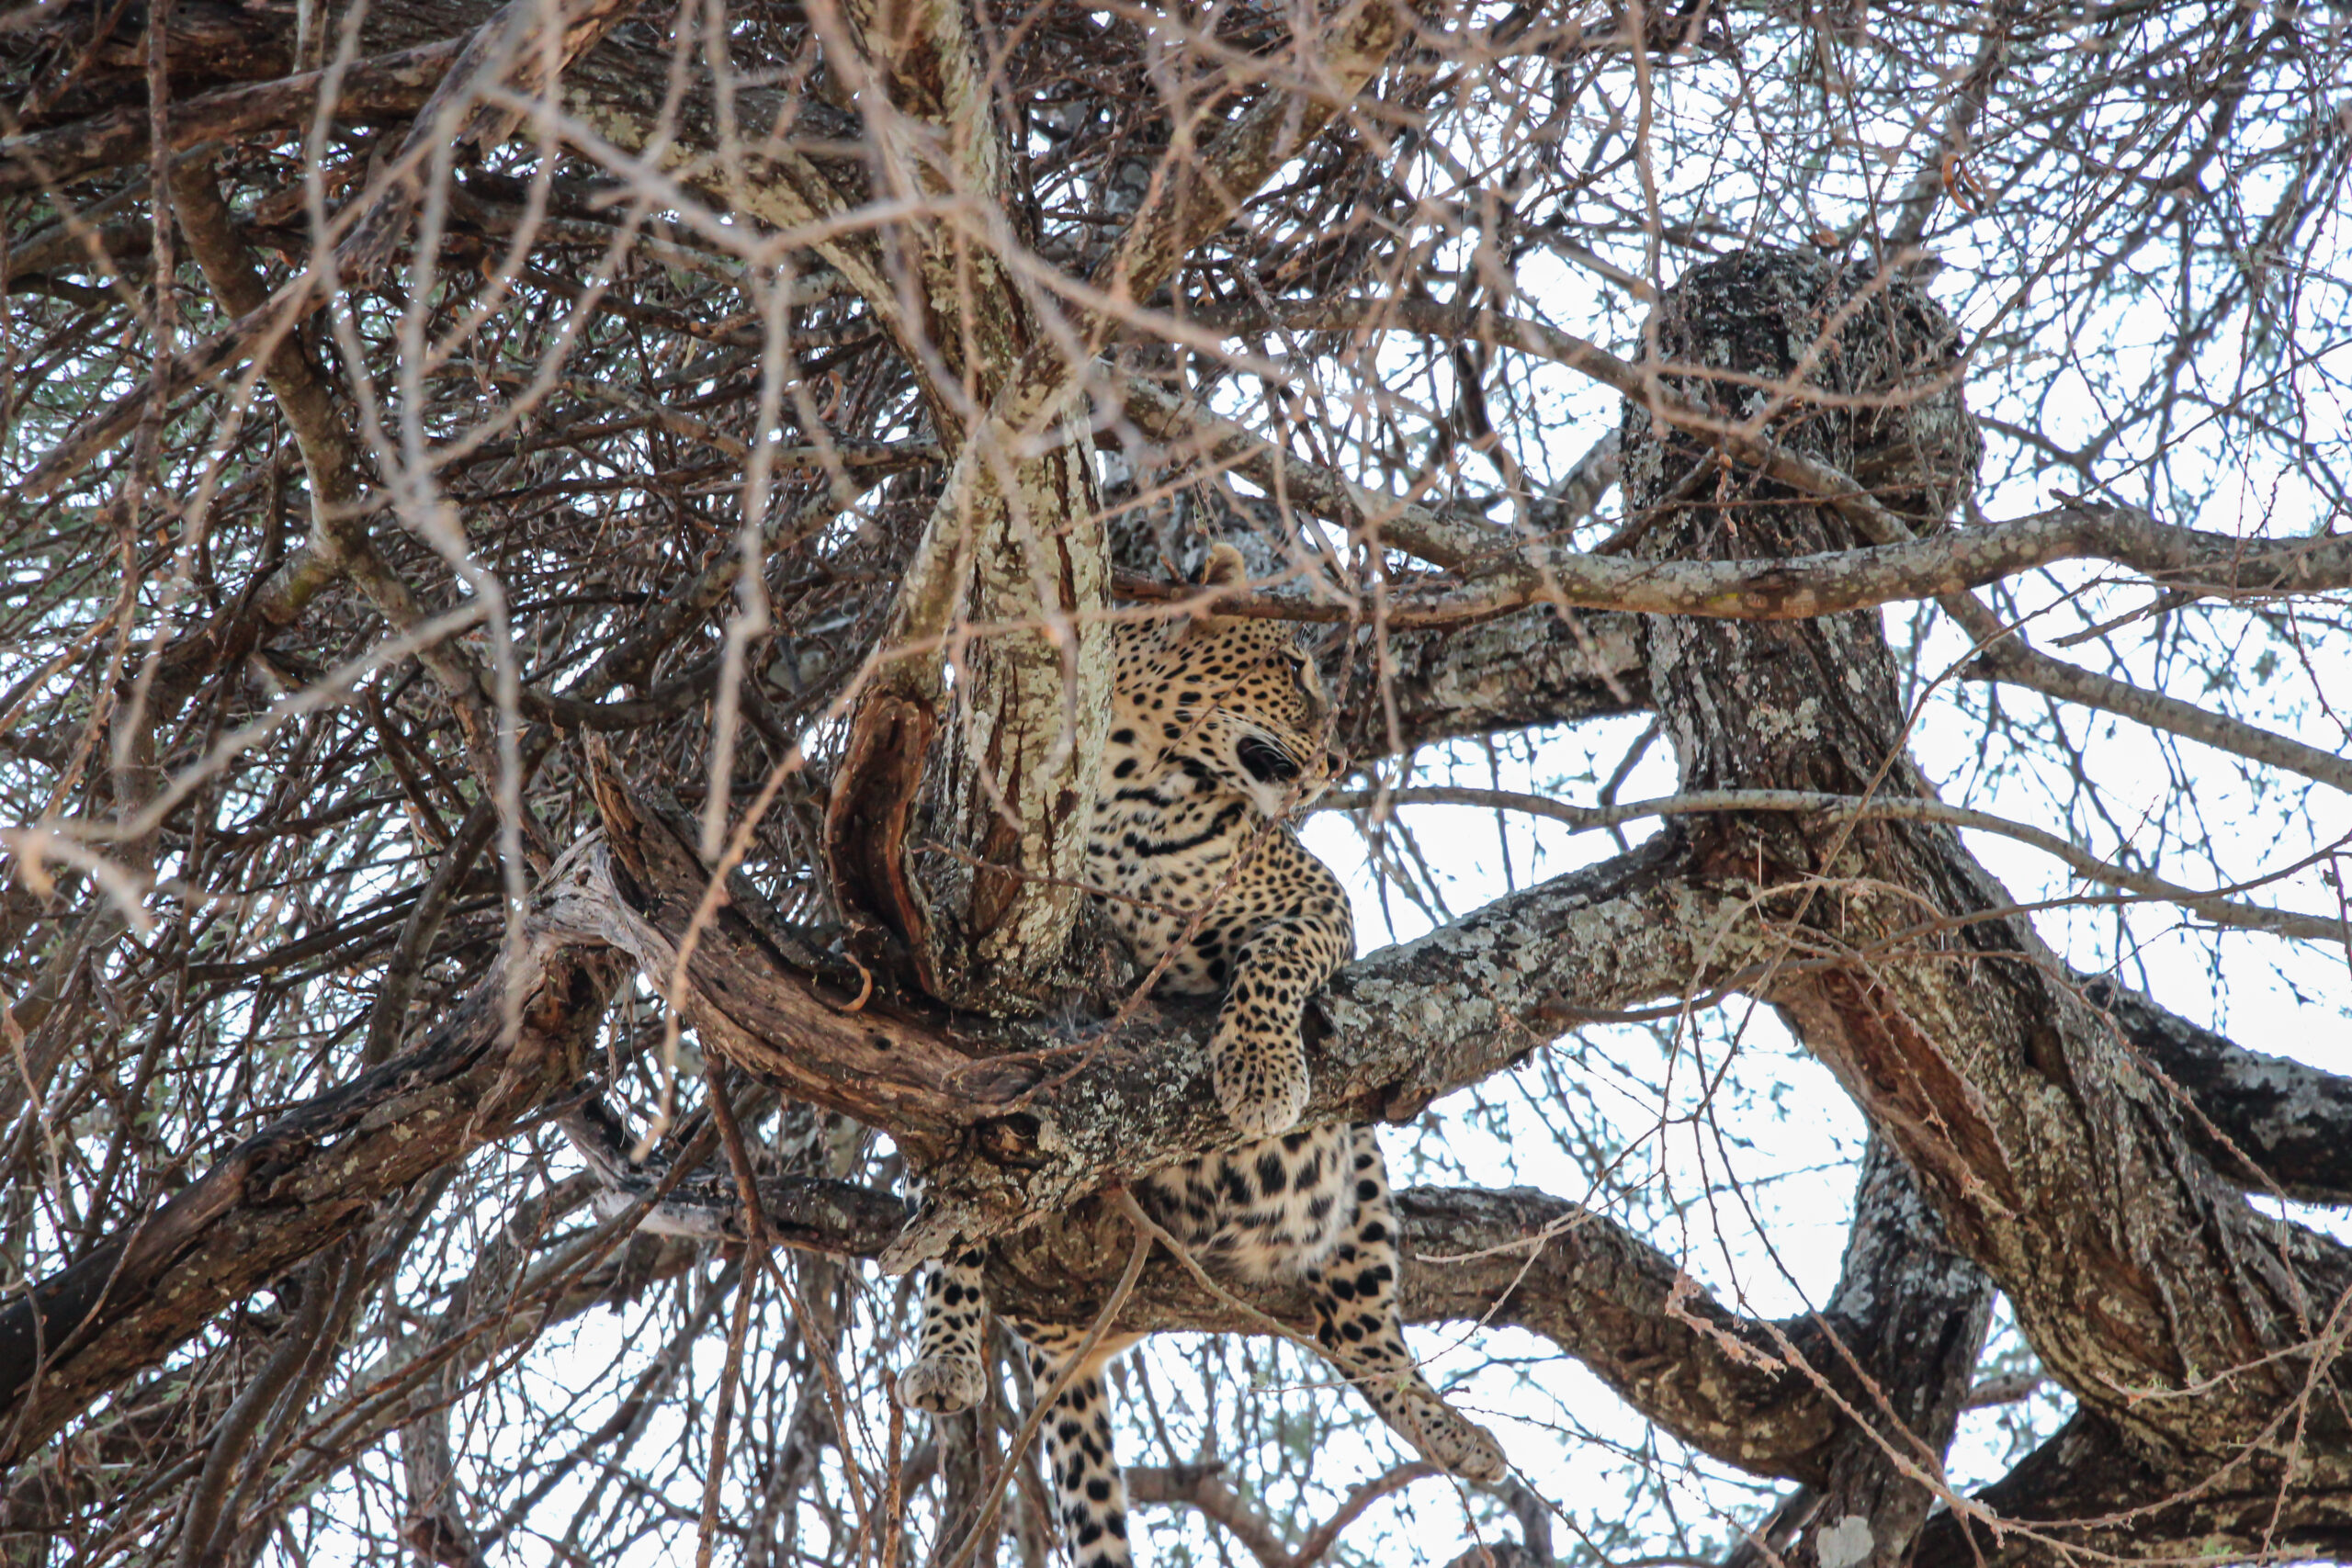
[(941, 1384), (1263, 1097)]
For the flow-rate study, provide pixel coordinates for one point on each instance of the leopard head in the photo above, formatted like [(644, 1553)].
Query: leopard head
[(1232, 703)]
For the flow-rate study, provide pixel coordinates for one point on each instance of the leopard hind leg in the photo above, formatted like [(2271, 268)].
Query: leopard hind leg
[(947, 1372), (1089, 1494), (1357, 1325)]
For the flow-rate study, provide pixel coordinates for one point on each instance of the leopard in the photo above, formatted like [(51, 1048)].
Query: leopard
[(1214, 741)]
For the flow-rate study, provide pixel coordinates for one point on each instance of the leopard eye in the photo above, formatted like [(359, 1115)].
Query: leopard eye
[(1267, 763)]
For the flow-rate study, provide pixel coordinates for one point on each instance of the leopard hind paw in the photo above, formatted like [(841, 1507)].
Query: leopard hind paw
[(941, 1384)]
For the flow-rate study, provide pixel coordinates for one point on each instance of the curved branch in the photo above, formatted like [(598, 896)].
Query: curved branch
[(1729, 1386), (2188, 559), (2052, 1161), (1761, 1395), (2008, 659), (1045, 1122), (1772, 1398)]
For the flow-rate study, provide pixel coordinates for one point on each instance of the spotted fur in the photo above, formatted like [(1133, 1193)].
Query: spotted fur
[(1213, 744)]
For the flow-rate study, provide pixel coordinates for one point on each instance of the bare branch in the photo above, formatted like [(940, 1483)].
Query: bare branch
[(82, 1332)]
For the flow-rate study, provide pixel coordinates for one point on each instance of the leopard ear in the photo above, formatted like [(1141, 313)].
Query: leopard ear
[(1225, 567)]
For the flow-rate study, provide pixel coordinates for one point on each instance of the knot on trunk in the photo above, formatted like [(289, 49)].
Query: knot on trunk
[(1854, 367), (1850, 368)]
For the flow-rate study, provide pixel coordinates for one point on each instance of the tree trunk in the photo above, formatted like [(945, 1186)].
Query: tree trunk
[(2146, 1284)]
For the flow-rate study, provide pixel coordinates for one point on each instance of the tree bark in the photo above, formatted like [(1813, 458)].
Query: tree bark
[(995, 858), (1919, 1313), (1527, 669), (2091, 1490), (2147, 1285), (1007, 1120), (2266, 1122), (1891, 1346)]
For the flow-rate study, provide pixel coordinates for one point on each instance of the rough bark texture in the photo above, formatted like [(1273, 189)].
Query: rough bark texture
[(1761, 1395), (1031, 1120), (1891, 1346), (2270, 1124), (1919, 1313), (2091, 1472), (2146, 1284), (1531, 668), (2060, 1136)]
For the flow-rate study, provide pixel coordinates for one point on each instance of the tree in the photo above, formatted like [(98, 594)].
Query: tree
[(561, 564)]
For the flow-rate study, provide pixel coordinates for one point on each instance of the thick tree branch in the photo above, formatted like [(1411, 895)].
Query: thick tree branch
[(957, 310), (1778, 1399), (2088, 1494), (1806, 587), (1920, 1311), (1514, 1257), (1504, 571), (1041, 1123), (1534, 667), (1764, 1396), (2290, 1123)]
